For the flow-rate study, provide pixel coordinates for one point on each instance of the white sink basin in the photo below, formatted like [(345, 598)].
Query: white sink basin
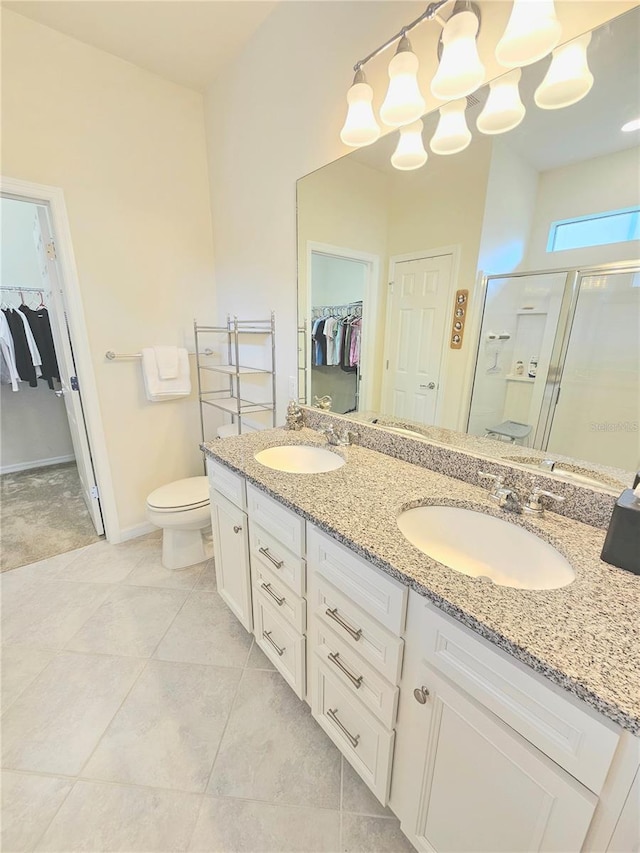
[(300, 459), (483, 546)]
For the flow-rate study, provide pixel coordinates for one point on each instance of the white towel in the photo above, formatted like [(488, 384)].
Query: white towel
[(167, 359), (158, 389)]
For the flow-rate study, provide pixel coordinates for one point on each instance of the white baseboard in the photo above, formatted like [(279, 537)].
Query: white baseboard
[(127, 533), (36, 463)]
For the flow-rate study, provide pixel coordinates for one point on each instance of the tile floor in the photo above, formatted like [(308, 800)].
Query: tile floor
[(138, 715)]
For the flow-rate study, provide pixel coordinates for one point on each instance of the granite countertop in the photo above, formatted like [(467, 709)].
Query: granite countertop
[(584, 637)]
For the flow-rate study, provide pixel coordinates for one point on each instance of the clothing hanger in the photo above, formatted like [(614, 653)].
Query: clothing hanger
[(41, 305)]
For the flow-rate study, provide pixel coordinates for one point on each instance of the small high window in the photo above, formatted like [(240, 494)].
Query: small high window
[(598, 229)]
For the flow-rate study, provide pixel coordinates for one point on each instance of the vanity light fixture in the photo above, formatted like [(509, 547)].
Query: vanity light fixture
[(360, 126), (532, 32), (460, 71), (452, 134), (403, 103), (503, 110), (410, 152), (631, 125), (568, 79)]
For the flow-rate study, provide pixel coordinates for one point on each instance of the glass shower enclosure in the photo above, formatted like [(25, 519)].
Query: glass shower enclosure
[(558, 363)]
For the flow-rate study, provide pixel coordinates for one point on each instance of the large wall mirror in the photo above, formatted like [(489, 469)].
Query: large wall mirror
[(539, 225)]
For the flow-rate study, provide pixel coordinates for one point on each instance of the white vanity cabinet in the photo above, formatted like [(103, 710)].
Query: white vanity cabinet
[(230, 529), (356, 618), (489, 757)]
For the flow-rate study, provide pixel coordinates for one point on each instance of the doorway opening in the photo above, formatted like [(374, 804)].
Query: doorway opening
[(50, 500), (343, 299)]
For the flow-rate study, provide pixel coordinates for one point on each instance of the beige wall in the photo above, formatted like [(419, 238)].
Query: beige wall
[(610, 182), (128, 149), (275, 115)]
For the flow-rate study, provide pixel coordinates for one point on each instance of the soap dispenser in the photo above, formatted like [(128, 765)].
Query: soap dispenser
[(622, 544)]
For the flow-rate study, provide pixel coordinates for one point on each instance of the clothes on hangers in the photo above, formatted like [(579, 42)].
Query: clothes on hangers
[(24, 362), (31, 341), (8, 360), (336, 337), (41, 328)]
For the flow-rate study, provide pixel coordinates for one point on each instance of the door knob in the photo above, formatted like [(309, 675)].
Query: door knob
[(59, 393), (430, 386), (236, 528)]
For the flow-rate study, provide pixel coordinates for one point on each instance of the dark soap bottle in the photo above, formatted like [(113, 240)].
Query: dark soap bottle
[(622, 544)]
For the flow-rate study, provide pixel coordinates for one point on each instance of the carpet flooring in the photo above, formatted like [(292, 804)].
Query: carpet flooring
[(42, 514)]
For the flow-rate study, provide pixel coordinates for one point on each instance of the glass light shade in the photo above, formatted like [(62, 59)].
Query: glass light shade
[(532, 32), (360, 126), (452, 134), (403, 103), (568, 79), (410, 152), (460, 71), (630, 126), (504, 110)]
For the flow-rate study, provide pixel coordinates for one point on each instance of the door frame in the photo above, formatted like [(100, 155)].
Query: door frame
[(454, 251), (71, 304), (370, 312)]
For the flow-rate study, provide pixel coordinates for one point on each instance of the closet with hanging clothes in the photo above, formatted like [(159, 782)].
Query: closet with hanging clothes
[(336, 336)]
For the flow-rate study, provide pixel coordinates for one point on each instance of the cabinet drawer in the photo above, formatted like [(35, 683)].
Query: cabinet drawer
[(282, 523), (571, 736), (268, 552), (229, 484), (282, 644), (287, 604), (362, 739), (375, 592), (360, 678), (358, 630)]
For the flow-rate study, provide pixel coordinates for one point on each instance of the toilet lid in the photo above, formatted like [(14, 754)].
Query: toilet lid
[(191, 492)]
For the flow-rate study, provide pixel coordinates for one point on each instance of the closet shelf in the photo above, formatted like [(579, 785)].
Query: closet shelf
[(512, 378)]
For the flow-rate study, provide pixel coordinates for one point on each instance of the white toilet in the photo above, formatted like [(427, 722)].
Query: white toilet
[(181, 509)]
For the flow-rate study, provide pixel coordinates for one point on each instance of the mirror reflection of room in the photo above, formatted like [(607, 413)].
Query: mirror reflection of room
[(541, 225)]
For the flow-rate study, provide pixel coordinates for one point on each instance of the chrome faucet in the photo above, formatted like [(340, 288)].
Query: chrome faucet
[(506, 498), (294, 419), (323, 403), (337, 439), (534, 505)]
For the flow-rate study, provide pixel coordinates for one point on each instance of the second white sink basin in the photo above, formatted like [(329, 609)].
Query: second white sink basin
[(481, 545), (300, 459)]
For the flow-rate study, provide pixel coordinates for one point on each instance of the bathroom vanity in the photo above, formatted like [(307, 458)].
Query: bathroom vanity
[(488, 717)]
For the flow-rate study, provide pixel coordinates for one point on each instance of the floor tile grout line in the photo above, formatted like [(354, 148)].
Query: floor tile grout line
[(114, 715), (46, 828)]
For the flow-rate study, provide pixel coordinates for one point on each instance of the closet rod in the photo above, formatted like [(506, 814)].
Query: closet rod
[(26, 289), (110, 355)]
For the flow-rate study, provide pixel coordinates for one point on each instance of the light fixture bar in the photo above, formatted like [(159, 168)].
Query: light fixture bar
[(429, 14)]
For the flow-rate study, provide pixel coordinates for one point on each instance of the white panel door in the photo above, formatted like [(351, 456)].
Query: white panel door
[(417, 320), (231, 552), (482, 788), (52, 280)]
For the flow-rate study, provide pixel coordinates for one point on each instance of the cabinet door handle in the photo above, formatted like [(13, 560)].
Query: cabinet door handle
[(356, 680), (277, 563), (332, 613), (332, 713), (236, 528), (267, 636), (421, 694), (267, 588)]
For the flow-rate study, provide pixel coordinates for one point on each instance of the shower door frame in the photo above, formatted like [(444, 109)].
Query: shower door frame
[(562, 337)]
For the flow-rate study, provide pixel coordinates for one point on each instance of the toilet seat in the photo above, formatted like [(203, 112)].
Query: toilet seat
[(180, 496)]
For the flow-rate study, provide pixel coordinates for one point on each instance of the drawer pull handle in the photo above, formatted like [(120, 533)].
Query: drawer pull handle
[(267, 636), (267, 588), (277, 563), (356, 680), (332, 713), (333, 614), (236, 528)]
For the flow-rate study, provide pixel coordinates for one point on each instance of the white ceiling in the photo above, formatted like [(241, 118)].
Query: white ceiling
[(548, 139), (186, 41)]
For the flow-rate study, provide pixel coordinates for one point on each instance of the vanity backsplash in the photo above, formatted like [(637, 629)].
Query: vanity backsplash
[(581, 503)]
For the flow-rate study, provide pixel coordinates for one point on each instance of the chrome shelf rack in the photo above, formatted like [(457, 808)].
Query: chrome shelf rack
[(231, 399)]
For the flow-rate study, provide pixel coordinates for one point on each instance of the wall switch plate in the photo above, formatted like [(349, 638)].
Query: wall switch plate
[(293, 388)]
